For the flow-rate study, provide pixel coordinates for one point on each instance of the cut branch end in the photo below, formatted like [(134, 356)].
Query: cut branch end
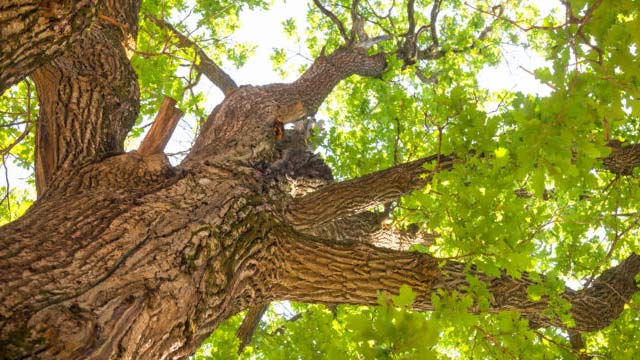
[(162, 129)]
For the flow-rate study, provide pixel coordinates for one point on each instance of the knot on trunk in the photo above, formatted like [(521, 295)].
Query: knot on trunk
[(294, 166)]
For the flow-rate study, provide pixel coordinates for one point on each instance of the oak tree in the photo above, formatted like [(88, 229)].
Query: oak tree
[(478, 223)]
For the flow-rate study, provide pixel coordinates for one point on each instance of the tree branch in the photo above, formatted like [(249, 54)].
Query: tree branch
[(623, 158), (206, 65), (249, 324), (334, 19), (435, 11), (245, 125), (320, 271), (342, 199), (47, 29), (338, 200)]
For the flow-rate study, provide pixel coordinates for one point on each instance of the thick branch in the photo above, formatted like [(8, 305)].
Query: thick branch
[(206, 66), (34, 32), (339, 200), (245, 125), (313, 270), (623, 158), (88, 97)]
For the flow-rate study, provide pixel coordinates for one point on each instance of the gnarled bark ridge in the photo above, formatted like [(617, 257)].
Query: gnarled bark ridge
[(124, 256)]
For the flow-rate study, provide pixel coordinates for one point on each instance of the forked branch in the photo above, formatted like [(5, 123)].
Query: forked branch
[(334, 19)]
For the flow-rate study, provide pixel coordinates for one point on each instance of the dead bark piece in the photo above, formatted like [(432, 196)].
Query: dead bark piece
[(162, 129)]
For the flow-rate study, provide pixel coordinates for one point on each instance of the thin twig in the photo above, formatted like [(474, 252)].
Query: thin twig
[(27, 128), (534, 75)]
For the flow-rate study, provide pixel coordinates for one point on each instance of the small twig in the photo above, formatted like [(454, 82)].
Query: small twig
[(544, 337), (612, 247), (495, 342), (281, 328), (27, 128), (112, 21), (397, 142)]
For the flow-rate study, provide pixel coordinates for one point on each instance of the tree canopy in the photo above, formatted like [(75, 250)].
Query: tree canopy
[(542, 188)]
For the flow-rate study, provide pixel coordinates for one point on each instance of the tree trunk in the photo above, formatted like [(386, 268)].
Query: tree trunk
[(124, 256)]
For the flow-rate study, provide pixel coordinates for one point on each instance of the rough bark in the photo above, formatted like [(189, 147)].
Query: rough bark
[(371, 228), (34, 32), (263, 108), (320, 271), (349, 197), (89, 96), (124, 256)]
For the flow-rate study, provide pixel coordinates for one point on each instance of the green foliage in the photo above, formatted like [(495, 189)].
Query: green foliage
[(390, 330), (18, 113)]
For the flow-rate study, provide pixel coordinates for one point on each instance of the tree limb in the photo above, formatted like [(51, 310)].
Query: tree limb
[(249, 324), (355, 273), (49, 27), (342, 199), (333, 19), (244, 125), (206, 65), (338, 200)]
